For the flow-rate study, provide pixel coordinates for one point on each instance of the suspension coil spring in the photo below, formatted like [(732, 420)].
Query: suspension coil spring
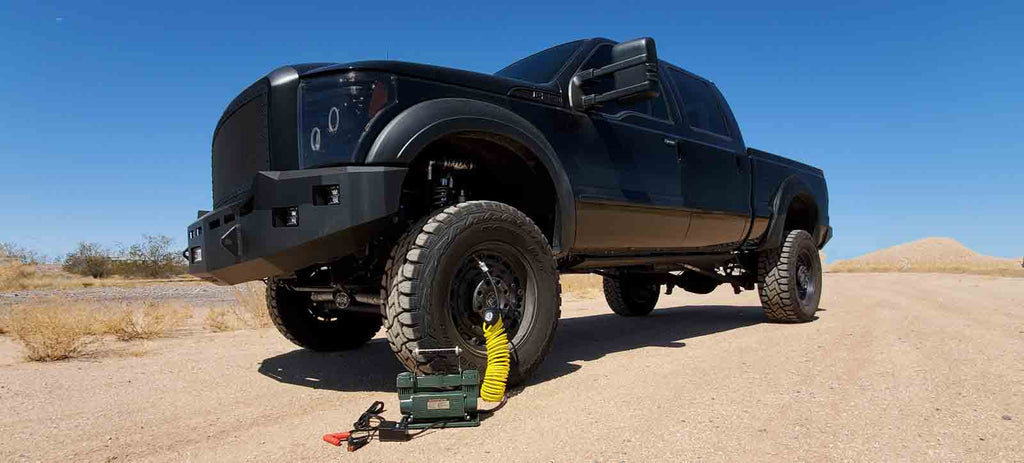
[(441, 196), (457, 164)]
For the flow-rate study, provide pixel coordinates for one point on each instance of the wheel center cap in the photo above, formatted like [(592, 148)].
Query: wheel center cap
[(485, 296)]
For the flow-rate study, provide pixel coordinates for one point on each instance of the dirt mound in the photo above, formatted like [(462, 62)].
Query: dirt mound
[(929, 255)]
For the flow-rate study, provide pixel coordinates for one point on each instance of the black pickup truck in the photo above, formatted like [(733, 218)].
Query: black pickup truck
[(412, 196)]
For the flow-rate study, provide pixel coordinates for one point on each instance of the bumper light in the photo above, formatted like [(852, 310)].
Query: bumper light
[(326, 195), (286, 217)]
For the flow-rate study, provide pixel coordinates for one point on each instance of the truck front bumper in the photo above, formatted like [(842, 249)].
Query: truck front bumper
[(292, 219)]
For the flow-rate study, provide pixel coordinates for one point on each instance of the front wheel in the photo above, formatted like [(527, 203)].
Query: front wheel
[(789, 279), (452, 266)]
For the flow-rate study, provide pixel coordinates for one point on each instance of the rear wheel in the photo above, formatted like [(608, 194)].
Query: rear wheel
[(458, 262), (630, 296), (308, 326), (789, 279)]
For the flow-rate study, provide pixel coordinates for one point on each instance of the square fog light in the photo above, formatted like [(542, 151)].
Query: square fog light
[(326, 195), (286, 217)]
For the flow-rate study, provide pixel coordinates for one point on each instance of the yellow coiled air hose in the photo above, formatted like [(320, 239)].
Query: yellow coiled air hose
[(498, 361)]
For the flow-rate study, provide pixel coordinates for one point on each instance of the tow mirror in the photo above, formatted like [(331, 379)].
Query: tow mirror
[(634, 70)]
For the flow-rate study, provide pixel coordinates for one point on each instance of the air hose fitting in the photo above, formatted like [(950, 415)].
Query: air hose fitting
[(498, 359)]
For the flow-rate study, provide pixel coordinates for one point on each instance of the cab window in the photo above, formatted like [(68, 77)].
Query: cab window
[(656, 108), (699, 107)]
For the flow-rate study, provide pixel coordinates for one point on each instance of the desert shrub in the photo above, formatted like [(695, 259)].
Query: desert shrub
[(25, 256), (16, 276), (248, 312), (89, 259), (5, 318), (151, 320), (52, 332), (221, 319), (154, 257)]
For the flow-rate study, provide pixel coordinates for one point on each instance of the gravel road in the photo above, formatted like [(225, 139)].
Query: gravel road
[(898, 367), (192, 293)]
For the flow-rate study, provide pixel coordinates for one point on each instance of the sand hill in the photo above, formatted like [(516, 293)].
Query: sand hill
[(931, 255)]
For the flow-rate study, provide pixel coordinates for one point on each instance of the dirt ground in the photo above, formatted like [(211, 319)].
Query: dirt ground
[(898, 367)]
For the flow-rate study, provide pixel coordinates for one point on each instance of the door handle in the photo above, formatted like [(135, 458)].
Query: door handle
[(679, 149)]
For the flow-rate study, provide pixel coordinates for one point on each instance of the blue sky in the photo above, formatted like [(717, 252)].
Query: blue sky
[(914, 111)]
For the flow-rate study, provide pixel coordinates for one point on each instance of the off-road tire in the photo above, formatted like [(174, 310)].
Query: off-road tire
[(291, 314), (630, 297), (777, 279), (420, 270)]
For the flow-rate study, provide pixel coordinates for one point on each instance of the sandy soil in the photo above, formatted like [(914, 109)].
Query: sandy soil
[(933, 255), (899, 367)]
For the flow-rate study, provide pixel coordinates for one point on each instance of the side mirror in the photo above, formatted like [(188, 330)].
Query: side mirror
[(634, 70)]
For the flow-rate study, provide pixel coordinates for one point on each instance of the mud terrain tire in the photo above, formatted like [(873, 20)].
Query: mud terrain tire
[(789, 279), (630, 297), (293, 316), (430, 269)]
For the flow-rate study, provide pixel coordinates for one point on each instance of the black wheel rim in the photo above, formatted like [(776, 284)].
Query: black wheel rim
[(508, 284), (806, 280)]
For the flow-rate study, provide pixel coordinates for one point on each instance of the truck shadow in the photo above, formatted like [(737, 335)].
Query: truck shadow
[(585, 339), (373, 367)]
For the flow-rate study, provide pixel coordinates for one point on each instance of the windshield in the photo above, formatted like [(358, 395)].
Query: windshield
[(541, 67)]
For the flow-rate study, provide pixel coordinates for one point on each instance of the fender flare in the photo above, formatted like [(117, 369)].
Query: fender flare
[(790, 188), (405, 137)]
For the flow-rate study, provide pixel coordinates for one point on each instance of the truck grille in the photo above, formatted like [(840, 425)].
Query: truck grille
[(241, 145)]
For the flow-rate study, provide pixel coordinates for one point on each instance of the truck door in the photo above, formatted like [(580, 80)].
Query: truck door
[(630, 198), (714, 167)]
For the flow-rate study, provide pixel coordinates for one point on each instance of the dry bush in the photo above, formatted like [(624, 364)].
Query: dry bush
[(20, 254), (221, 319), (20, 277), (15, 276), (248, 312), (154, 257), (53, 331), (151, 320), (5, 319), (89, 259), (582, 286)]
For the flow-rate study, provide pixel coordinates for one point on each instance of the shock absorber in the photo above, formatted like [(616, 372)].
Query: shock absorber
[(443, 191), (442, 194)]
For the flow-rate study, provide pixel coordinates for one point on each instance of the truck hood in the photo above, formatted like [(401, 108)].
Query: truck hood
[(485, 82)]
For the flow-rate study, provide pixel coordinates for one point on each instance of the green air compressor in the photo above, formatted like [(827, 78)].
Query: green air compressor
[(440, 400), (448, 400)]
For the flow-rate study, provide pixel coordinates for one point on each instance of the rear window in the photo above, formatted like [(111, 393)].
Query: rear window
[(700, 105), (541, 67)]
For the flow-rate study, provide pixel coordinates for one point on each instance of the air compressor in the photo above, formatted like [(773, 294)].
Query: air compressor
[(439, 400)]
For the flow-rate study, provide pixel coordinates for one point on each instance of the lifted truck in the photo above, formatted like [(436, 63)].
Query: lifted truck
[(414, 197)]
